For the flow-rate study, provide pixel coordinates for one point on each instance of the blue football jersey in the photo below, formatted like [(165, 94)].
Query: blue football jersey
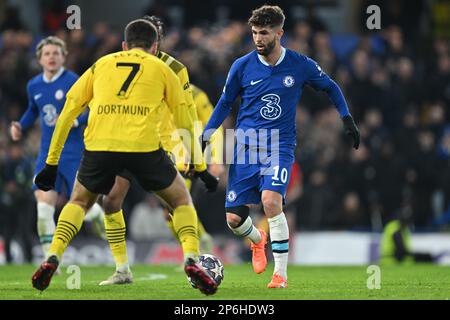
[(45, 101), (270, 94)]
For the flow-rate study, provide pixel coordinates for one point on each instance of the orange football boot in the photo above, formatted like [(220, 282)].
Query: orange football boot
[(259, 259), (277, 282)]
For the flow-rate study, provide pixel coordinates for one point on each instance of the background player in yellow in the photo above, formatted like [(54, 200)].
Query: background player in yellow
[(124, 91), (173, 144)]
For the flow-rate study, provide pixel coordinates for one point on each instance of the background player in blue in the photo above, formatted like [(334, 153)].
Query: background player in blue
[(46, 97), (269, 81)]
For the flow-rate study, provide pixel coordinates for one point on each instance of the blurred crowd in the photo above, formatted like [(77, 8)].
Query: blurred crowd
[(397, 88)]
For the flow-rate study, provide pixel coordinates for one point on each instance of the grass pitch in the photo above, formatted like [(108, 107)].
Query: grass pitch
[(165, 283)]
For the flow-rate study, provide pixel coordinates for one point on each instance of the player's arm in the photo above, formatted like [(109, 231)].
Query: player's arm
[(223, 108), (76, 102), (182, 118), (28, 118), (195, 126), (204, 111), (319, 80)]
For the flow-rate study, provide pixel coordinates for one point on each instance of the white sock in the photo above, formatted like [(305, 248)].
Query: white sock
[(279, 237), (247, 230), (123, 268), (96, 212), (45, 225)]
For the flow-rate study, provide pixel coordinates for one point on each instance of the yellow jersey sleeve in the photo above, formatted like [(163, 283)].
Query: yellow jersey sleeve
[(183, 117), (76, 103), (204, 111)]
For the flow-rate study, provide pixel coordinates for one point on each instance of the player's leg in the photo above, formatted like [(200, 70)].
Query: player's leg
[(184, 216), (116, 230), (274, 188), (68, 171), (46, 202), (206, 241), (243, 189), (279, 236), (155, 171), (69, 223), (96, 176)]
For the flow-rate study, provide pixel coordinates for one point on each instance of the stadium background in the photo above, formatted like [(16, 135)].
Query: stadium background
[(396, 81)]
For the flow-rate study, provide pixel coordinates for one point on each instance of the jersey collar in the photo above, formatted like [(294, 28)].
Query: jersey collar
[(283, 53), (57, 75)]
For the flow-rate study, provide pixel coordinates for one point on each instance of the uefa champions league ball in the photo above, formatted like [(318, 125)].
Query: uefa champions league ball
[(212, 266)]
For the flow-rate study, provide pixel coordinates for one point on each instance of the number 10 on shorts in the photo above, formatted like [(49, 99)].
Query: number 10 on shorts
[(279, 176)]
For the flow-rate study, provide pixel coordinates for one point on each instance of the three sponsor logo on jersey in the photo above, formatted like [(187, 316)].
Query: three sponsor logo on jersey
[(272, 108)]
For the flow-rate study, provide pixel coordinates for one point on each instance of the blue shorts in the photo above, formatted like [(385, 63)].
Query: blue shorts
[(67, 172), (247, 181)]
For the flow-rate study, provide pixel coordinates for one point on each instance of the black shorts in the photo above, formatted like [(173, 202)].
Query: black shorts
[(128, 176), (98, 170)]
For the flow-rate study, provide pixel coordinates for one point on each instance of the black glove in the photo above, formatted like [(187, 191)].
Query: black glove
[(351, 129), (209, 180), (46, 178), (203, 143)]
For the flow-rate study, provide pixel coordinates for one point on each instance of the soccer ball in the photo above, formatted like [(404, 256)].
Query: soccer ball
[(212, 266)]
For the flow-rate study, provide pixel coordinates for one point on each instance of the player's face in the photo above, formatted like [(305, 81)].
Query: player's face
[(52, 58), (265, 39)]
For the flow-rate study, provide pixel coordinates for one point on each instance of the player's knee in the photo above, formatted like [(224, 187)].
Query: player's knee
[(237, 215), (271, 205), (112, 203), (181, 199)]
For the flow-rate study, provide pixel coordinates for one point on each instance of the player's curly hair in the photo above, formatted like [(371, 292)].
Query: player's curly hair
[(267, 16), (158, 23), (50, 40)]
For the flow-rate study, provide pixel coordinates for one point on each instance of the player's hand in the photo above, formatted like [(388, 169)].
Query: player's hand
[(209, 180), (15, 131), (46, 178), (216, 169), (351, 129)]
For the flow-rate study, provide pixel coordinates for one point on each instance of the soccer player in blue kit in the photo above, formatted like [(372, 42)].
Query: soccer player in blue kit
[(46, 97), (269, 81)]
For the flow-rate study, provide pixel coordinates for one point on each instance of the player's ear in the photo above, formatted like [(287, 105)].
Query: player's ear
[(280, 33), (124, 46), (154, 48)]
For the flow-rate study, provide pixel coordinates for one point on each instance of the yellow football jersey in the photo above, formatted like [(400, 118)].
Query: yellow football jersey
[(125, 91), (171, 137), (204, 111)]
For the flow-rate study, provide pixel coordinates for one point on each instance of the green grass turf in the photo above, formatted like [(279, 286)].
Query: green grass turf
[(164, 282)]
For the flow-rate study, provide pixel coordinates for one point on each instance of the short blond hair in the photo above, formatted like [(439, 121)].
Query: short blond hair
[(51, 40)]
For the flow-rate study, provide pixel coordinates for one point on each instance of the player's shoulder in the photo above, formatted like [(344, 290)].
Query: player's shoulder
[(69, 74), (171, 62), (245, 59), (197, 92), (35, 81), (297, 56)]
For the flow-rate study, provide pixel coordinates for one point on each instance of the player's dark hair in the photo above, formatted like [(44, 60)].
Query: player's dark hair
[(140, 33), (158, 23), (267, 16)]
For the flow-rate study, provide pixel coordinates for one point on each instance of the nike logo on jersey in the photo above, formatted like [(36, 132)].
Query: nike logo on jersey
[(37, 96), (255, 82)]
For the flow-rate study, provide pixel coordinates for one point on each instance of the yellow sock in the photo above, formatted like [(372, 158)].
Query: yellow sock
[(200, 231), (115, 233), (185, 224), (169, 223), (69, 223)]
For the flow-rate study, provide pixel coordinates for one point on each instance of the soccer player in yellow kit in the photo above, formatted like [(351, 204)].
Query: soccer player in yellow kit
[(199, 110), (124, 91)]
